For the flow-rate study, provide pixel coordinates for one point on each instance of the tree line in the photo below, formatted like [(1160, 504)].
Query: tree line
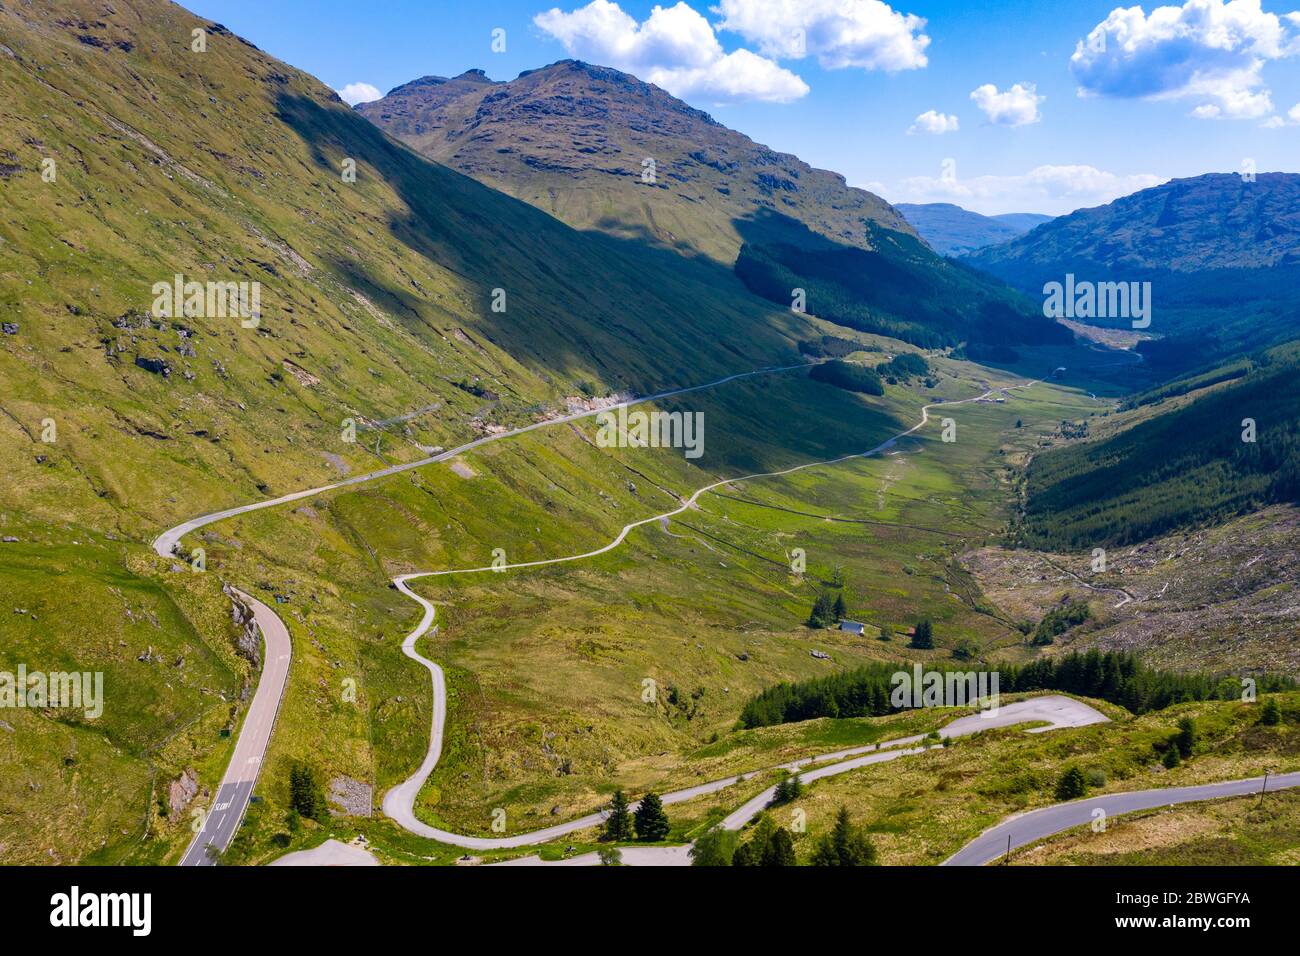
[(1114, 676)]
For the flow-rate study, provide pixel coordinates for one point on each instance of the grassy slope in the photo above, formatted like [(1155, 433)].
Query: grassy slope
[(423, 247), (80, 789), (1166, 466)]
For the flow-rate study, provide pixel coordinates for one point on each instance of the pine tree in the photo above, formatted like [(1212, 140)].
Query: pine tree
[(1172, 759), (923, 639), (840, 611), (306, 795), (651, 822), (744, 856), (845, 845), (1271, 715), (779, 850), (1186, 738), (618, 825), (1072, 785)]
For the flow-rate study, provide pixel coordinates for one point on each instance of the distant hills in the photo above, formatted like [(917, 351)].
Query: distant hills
[(953, 231), (600, 149), (1222, 254)]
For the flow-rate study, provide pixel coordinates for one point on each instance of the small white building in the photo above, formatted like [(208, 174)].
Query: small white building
[(853, 627)]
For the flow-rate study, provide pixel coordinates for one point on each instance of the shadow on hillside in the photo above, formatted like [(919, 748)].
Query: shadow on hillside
[(638, 315), (578, 302)]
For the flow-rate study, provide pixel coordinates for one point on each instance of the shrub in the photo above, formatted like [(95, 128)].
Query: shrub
[(610, 856), (1072, 785)]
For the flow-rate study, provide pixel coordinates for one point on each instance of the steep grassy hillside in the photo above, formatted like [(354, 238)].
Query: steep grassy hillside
[(602, 150), (377, 295)]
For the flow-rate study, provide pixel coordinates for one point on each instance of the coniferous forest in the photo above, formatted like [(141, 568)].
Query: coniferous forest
[(1114, 676)]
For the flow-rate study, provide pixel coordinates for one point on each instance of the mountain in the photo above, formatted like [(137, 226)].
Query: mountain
[(1022, 222), (1222, 254), (378, 296), (577, 140), (953, 231), (601, 150)]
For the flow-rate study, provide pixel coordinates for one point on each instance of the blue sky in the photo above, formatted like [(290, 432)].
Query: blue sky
[(1192, 88)]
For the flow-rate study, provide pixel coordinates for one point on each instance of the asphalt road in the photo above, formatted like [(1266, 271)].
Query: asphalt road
[(1054, 710), (236, 788), (1028, 827)]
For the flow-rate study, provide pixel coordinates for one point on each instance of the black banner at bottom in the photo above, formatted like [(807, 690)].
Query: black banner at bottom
[(142, 907)]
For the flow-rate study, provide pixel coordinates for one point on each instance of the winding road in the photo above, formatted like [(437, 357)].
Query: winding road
[(221, 823), (399, 802), (232, 798)]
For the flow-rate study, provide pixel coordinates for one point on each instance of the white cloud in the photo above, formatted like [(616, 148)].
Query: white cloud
[(1292, 118), (355, 93), (840, 33), (675, 48), (934, 122), (1016, 106), (1054, 190), (1209, 51)]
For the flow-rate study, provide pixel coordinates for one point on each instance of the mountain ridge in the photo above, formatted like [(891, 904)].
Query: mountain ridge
[(602, 150)]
